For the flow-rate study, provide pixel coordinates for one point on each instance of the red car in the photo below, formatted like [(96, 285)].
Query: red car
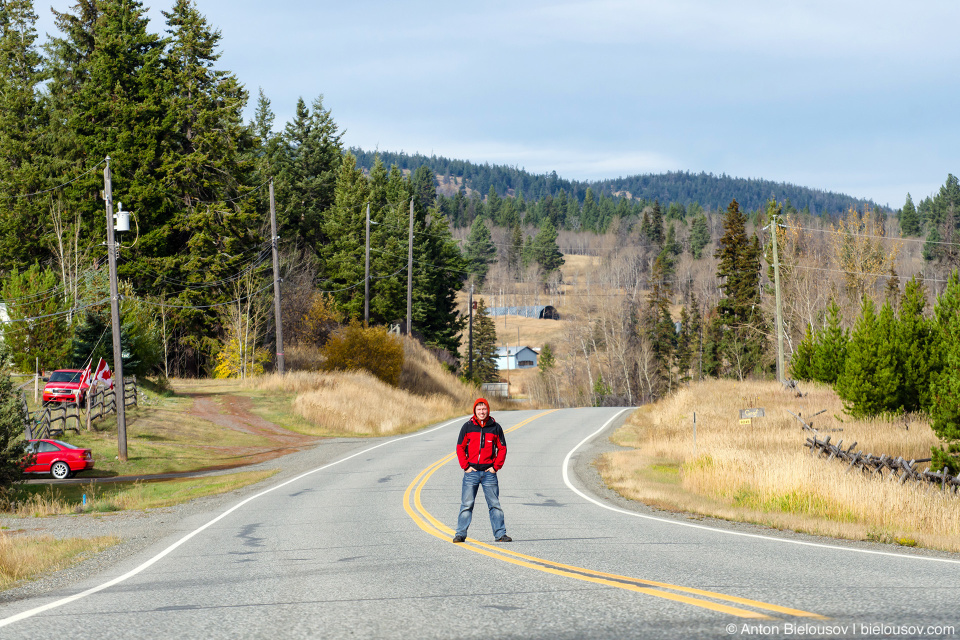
[(64, 386), (59, 459)]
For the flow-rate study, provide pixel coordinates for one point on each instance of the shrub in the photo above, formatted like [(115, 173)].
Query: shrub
[(233, 361), (369, 348)]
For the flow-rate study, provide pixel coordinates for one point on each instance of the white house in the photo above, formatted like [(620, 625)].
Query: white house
[(516, 358)]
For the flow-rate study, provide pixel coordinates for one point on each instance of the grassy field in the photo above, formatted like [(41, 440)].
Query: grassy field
[(762, 473), (162, 437)]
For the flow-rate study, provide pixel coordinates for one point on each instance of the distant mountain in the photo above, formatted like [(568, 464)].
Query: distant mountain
[(706, 189)]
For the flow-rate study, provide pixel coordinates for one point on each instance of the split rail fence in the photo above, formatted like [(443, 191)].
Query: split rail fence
[(53, 419), (895, 468)]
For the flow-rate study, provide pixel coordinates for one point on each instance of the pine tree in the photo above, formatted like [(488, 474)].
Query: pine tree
[(545, 251), (515, 251), (656, 225), (945, 376), (659, 325), (342, 257), (739, 327), (909, 219), (547, 360), (307, 173), (699, 236), (830, 350), (484, 345), (914, 341), (801, 362), (480, 250), (870, 382), (23, 124)]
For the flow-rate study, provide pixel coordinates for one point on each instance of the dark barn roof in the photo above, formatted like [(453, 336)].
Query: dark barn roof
[(542, 312)]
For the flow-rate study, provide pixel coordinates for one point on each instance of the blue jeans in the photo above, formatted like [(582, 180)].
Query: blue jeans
[(491, 491)]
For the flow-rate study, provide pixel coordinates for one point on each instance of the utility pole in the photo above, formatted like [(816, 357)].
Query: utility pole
[(774, 226), (278, 318), (366, 274), (470, 338), (410, 274), (115, 319)]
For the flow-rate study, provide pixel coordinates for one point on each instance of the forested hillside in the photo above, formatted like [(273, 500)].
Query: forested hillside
[(704, 189)]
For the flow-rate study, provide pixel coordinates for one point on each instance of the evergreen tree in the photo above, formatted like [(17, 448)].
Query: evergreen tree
[(342, 257), (484, 345), (739, 327), (515, 251), (933, 247), (683, 352), (655, 233), (801, 362), (699, 236), (480, 250), (38, 325), (545, 251), (909, 219), (870, 382), (307, 173), (12, 444), (945, 375), (914, 341), (830, 350), (659, 325), (23, 124), (547, 360)]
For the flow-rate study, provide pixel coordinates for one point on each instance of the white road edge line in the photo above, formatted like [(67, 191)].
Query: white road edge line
[(566, 480), (106, 585)]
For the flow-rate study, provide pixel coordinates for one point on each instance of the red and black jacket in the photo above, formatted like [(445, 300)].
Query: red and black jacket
[(481, 446)]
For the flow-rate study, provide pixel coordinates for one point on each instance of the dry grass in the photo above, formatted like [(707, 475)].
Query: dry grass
[(356, 403), (23, 558), (762, 473)]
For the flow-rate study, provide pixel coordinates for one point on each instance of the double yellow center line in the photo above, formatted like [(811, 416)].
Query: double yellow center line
[(697, 597)]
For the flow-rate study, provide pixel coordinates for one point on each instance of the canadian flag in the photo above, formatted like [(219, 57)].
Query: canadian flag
[(85, 377), (103, 375)]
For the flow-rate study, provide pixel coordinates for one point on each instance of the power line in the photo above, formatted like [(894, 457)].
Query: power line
[(864, 235), (857, 273), (60, 313), (59, 186)]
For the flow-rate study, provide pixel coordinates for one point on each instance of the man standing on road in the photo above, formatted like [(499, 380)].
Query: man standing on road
[(481, 449)]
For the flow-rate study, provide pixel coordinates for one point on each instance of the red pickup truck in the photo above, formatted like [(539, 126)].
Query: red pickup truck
[(64, 386)]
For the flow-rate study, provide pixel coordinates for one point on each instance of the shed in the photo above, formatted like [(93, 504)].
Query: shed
[(516, 358), (541, 312)]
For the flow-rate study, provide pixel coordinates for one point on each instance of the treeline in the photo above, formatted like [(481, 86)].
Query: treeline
[(194, 270), (683, 188)]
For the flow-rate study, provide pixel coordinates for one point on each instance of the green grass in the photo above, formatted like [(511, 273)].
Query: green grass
[(40, 500)]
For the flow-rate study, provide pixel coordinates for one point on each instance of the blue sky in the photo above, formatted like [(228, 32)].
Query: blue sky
[(855, 97)]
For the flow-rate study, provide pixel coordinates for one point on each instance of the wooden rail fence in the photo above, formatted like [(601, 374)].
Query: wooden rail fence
[(54, 418), (895, 468)]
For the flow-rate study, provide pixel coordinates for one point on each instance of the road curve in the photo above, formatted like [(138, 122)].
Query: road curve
[(361, 548)]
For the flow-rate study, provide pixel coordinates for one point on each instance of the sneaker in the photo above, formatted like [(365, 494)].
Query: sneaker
[(459, 538), (504, 539)]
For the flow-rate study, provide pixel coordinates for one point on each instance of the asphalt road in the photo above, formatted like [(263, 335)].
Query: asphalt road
[(361, 549)]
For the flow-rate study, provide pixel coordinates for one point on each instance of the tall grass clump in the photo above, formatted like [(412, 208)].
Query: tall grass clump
[(763, 473), (23, 558), (358, 403)]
